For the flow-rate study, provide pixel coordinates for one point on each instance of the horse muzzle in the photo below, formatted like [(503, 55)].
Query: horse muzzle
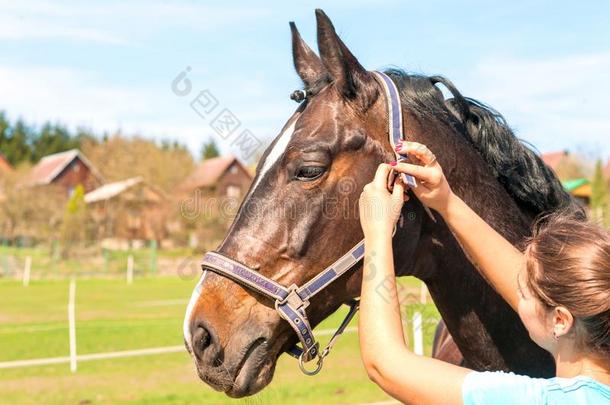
[(242, 367)]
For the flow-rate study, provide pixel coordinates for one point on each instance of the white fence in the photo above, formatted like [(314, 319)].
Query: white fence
[(73, 359)]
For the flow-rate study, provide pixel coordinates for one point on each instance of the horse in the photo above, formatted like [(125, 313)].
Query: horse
[(326, 152)]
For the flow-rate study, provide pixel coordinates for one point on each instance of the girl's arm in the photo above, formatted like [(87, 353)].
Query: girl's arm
[(402, 374), (495, 257)]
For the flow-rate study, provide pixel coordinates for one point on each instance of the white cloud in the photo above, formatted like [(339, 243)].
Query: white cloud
[(68, 95), (79, 98), (15, 28), (554, 103), (114, 23)]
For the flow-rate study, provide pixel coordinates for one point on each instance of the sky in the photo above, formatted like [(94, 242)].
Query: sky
[(107, 66)]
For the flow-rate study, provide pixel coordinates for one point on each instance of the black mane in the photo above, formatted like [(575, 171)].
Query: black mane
[(520, 170)]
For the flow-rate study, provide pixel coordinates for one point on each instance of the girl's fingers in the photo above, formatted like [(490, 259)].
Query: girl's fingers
[(420, 151), (381, 175), (398, 190), (425, 174)]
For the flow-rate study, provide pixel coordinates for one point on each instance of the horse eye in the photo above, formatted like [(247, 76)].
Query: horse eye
[(309, 173)]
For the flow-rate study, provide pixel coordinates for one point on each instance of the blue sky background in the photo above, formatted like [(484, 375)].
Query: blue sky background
[(108, 65)]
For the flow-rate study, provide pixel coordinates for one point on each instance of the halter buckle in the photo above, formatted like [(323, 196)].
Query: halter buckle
[(294, 299)]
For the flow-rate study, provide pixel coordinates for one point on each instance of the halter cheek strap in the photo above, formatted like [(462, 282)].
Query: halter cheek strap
[(291, 302), (395, 118)]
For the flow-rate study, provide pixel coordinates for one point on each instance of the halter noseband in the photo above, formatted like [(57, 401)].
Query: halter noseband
[(291, 302)]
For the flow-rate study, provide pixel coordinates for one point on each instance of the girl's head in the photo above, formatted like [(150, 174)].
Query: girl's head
[(565, 285)]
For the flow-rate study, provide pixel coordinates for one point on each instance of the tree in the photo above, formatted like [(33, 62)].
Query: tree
[(120, 157), (209, 150), (24, 214), (599, 193), (84, 135), (19, 148), (14, 140), (53, 138), (74, 224)]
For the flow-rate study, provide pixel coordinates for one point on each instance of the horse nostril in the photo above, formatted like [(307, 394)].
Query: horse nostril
[(201, 340)]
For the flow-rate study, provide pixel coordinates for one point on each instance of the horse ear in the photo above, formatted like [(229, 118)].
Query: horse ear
[(307, 64), (347, 73)]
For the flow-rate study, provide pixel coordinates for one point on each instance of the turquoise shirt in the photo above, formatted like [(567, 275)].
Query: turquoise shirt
[(500, 388)]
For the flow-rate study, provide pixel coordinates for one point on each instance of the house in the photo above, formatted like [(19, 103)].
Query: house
[(223, 176), (607, 172), (128, 210), (201, 196), (564, 164), (554, 159), (66, 170), (580, 190)]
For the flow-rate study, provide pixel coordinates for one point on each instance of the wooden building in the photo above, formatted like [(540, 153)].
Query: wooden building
[(223, 176), (201, 198), (565, 165), (580, 190), (65, 170), (128, 210)]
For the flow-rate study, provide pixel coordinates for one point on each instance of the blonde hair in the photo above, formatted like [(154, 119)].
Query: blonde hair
[(568, 264)]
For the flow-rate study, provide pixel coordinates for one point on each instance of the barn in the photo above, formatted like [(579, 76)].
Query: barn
[(128, 210), (223, 176), (66, 170)]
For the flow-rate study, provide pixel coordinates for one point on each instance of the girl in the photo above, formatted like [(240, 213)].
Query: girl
[(560, 287)]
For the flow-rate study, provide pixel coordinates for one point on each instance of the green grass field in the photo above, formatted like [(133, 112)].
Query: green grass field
[(113, 316), (91, 259)]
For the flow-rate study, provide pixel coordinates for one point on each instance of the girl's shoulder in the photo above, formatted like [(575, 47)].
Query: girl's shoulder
[(498, 387)]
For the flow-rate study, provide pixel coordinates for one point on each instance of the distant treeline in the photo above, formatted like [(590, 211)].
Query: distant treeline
[(22, 142)]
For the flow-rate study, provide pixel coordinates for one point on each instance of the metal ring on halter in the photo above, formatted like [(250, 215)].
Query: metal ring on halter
[(319, 364)]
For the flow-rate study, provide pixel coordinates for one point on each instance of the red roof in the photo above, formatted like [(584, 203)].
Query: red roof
[(607, 170), (554, 159), (50, 166), (209, 172)]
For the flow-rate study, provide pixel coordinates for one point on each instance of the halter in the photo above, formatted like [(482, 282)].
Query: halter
[(291, 302)]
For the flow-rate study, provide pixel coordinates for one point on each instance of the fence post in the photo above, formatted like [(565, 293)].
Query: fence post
[(5, 257), (105, 257), (26, 271), (72, 323), (55, 255), (418, 337), (5, 265), (130, 269), (153, 256)]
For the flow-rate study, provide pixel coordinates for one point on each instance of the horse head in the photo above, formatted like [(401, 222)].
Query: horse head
[(299, 215)]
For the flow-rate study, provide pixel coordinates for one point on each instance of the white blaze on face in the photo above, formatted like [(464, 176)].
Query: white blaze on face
[(278, 150), (186, 326), (276, 153)]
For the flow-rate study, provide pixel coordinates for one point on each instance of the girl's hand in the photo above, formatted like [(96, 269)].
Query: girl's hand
[(433, 189), (380, 209)]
